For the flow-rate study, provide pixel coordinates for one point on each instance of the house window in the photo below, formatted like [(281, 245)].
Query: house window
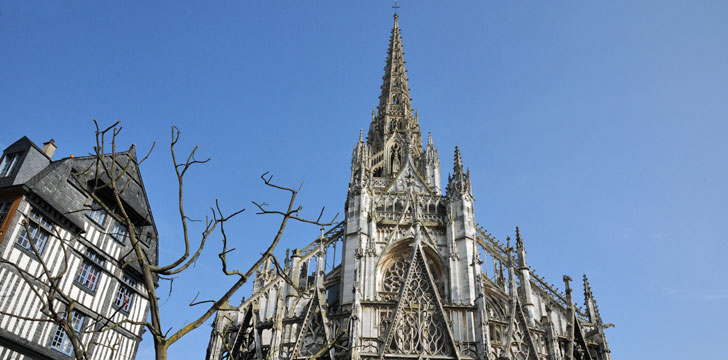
[(90, 271), (119, 232), (60, 340), (37, 231), (7, 166), (147, 239), (125, 295), (97, 214), (4, 209)]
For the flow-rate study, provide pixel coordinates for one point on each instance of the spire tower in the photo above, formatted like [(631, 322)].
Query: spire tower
[(408, 274), (395, 118), (395, 91)]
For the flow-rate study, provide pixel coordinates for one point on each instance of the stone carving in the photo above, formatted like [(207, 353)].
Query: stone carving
[(518, 346), (394, 276), (413, 276), (314, 337), (419, 326)]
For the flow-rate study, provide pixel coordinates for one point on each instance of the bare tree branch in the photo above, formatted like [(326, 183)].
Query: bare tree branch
[(106, 180)]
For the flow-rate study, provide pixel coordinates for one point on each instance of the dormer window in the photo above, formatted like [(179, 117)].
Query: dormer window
[(9, 163), (97, 214)]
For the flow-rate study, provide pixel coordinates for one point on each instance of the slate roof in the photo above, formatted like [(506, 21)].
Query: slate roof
[(54, 184)]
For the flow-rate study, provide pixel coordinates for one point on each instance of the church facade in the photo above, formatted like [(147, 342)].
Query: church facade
[(408, 274)]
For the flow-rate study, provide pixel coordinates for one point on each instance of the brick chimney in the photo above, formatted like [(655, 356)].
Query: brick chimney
[(49, 148)]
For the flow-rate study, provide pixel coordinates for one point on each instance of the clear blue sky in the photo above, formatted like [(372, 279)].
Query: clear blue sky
[(598, 127)]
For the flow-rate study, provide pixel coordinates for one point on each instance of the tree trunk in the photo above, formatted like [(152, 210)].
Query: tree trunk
[(160, 350)]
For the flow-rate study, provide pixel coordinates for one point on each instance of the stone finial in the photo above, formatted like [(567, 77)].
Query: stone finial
[(567, 284), (458, 162), (460, 180), (590, 302), (587, 288)]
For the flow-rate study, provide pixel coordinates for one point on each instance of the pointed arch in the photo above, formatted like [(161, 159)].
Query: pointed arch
[(418, 325), (394, 263)]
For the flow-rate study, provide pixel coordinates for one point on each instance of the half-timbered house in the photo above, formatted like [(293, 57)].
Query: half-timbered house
[(50, 225)]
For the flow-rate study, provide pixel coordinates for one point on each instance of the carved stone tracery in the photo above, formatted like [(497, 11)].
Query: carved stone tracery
[(395, 275), (396, 263), (314, 338), (405, 289), (419, 325)]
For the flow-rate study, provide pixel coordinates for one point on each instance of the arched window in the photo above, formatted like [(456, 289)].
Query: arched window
[(395, 275), (395, 264)]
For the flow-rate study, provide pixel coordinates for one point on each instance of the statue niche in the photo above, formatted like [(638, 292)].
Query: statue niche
[(395, 159)]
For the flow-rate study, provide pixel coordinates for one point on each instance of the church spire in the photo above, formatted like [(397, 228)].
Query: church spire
[(395, 96), (394, 126)]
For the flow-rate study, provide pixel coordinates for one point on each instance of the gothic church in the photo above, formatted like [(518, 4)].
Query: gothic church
[(408, 274)]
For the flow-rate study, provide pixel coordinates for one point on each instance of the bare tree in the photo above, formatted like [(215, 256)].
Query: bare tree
[(106, 180)]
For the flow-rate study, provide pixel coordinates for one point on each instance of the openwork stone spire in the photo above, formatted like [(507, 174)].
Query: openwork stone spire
[(395, 92), (394, 120), (408, 274)]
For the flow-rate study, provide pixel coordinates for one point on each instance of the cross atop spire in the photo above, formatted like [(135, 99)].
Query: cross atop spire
[(395, 7)]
